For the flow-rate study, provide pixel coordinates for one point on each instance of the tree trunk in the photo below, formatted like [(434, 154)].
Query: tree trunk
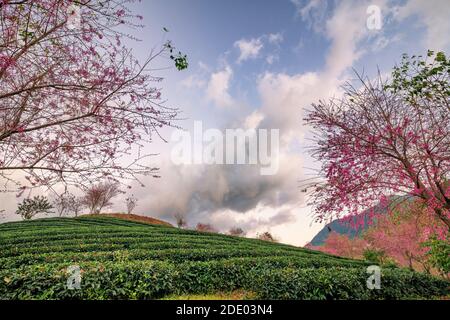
[(442, 216), (410, 265)]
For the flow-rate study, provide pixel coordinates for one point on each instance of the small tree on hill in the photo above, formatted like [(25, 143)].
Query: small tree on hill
[(375, 256), (31, 207), (76, 205), (205, 227), (180, 220), (64, 204), (100, 195), (131, 203), (267, 236), (238, 232)]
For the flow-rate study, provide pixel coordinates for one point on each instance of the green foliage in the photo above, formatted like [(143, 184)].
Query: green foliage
[(129, 260), (345, 283), (378, 257), (181, 61), (419, 78), (31, 207), (374, 256), (155, 279), (439, 254)]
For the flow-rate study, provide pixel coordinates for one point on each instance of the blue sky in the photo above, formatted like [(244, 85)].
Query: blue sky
[(264, 63), (261, 64), (207, 30)]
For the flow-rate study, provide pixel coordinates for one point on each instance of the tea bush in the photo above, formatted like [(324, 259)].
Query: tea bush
[(122, 259)]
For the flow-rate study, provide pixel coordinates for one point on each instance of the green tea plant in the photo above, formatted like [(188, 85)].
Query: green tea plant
[(121, 259)]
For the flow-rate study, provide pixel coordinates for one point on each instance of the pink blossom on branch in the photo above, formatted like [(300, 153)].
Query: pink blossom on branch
[(343, 246), (75, 104), (399, 235), (377, 142), (402, 233)]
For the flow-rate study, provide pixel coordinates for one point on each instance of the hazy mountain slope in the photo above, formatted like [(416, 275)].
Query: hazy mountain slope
[(343, 226)]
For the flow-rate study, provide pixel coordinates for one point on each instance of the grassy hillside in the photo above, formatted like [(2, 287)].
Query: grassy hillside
[(122, 259), (131, 217)]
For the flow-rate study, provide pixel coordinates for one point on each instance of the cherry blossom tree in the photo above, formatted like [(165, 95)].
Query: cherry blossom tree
[(76, 105), (99, 196), (237, 231), (402, 234), (205, 227), (266, 236), (385, 138), (68, 204), (342, 245)]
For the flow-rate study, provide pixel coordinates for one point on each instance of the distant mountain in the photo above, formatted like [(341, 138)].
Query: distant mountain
[(343, 225)]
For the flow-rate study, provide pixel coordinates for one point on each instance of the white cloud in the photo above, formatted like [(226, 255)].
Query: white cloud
[(313, 13), (284, 96), (257, 220), (217, 90), (249, 49), (383, 41), (271, 58), (275, 38), (193, 82), (253, 120), (346, 28), (434, 14), (238, 195), (203, 66)]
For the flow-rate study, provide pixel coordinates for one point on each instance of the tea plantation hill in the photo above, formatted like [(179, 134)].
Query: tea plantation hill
[(123, 259)]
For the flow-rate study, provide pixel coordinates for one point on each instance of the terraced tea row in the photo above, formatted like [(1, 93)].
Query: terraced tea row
[(131, 260)]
